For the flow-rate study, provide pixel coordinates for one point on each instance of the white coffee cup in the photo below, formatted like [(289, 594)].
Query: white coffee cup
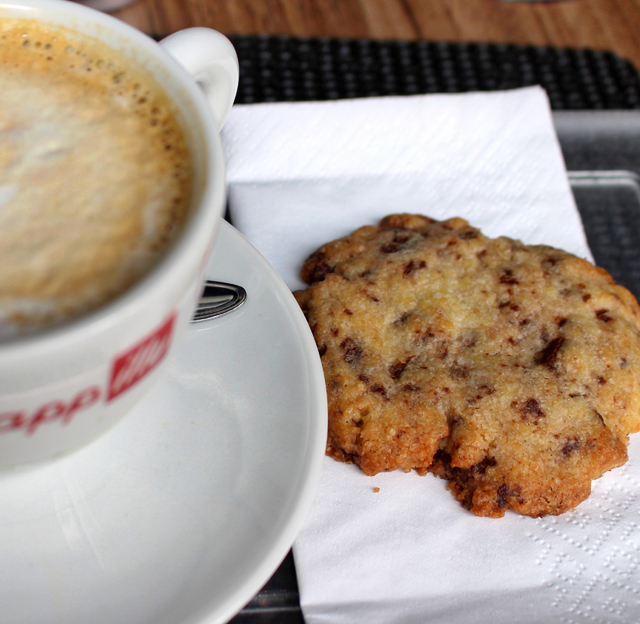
[(63, 387)]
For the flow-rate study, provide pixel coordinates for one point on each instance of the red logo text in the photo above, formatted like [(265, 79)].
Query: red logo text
[(134, 364), (59, 410)]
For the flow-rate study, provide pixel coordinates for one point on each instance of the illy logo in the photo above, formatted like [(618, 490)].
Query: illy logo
[(132, 365)]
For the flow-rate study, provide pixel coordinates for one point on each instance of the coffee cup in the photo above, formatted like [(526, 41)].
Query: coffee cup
[(70, 372)]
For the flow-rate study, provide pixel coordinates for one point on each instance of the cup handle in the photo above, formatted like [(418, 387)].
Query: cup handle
[(212, 61)]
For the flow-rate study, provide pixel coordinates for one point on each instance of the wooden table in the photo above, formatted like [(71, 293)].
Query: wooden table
[(612, 25)]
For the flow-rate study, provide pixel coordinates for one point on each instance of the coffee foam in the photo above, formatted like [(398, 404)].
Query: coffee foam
[(95, 175)]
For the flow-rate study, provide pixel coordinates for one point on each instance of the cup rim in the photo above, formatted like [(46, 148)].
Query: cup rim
[(196, 231)]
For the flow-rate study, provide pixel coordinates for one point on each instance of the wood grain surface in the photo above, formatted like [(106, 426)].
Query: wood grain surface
[(599, 24)]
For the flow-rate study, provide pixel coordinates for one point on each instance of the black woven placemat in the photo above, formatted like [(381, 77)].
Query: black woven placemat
[(611, 222), (275, 69)]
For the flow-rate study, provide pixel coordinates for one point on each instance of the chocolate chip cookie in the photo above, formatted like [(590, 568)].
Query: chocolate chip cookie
[(511, 370)]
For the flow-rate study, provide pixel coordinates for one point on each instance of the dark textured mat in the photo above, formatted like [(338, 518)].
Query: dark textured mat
[(611, 218), (274, 69)]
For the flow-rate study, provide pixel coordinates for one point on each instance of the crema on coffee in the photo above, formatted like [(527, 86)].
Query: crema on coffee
[(95, 175)]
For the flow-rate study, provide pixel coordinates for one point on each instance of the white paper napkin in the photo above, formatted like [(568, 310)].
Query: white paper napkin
[(304, 173)]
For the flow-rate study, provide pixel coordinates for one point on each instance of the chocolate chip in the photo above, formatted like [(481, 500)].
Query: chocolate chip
[(571, 446), (468, 234), (508, 278), (395, 245), (459, 372), (532, 409), (352, 350), (503, 492), (603, 316), (395, 370), (348, 458), (322, 349), (481, 466), (412, 266), (379, 388), (461, 476), (548, 356), (320, 271)]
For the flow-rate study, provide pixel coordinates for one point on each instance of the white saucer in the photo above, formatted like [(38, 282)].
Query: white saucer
[(182, 511)]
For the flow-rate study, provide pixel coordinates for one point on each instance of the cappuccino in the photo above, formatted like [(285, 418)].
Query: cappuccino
[(95, 175)]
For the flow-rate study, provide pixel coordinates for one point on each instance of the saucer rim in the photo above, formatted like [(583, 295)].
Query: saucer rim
[(216, 607), (315, 456)]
